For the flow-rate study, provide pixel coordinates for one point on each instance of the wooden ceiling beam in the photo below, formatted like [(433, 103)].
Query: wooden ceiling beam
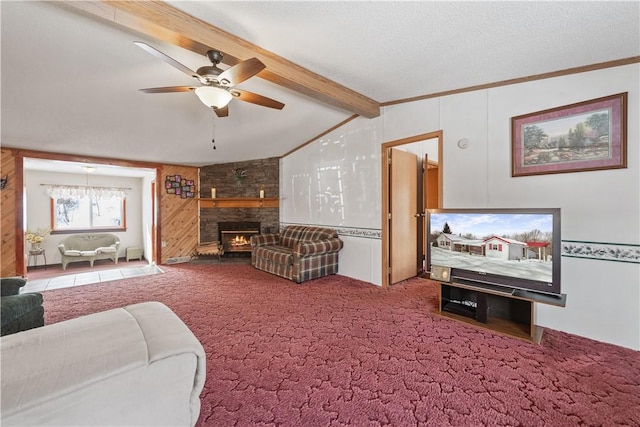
[(164, 22)]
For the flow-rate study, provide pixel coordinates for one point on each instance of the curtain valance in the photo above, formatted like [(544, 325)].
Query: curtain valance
[(80, 191)]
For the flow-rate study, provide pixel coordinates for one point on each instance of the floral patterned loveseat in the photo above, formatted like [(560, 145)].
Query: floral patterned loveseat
[(298, 253)]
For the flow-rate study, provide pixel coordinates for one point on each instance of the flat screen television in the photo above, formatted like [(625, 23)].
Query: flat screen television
[(508, 248)]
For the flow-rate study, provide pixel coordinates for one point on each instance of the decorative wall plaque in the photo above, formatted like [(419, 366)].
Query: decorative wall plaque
[(175, 184)]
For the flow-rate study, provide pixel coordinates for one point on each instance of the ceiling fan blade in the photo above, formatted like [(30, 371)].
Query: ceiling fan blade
[(254, 98), (221, 112), (241, 72), (168, 89), (169, 60)]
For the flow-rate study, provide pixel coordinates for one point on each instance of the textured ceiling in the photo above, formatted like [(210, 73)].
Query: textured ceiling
[(70, 82), (389, 50)]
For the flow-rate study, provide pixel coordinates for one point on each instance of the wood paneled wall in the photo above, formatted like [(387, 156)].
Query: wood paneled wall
[(9, 216), (178, 217)]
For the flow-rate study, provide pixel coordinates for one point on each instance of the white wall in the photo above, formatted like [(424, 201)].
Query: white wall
[(428, 147), (37, 212), (603, 297), (336, 182), (147, 212)]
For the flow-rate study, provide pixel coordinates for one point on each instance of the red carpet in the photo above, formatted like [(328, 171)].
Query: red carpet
[(337, 351)]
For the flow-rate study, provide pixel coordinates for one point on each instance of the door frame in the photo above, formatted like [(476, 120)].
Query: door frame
[(384, 156), (21, 154)]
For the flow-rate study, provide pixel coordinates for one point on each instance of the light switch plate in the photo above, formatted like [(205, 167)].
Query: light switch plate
[(440, 273)]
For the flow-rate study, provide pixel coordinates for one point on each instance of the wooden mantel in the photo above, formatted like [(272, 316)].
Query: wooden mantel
[(239, 202)]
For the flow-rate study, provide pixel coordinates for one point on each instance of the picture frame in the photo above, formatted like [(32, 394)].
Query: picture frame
[(586, 136), (176, 185)]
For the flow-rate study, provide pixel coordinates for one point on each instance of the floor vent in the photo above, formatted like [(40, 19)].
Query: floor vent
[(178, 259)]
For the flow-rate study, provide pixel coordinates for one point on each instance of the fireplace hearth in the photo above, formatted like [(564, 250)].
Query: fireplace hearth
[(235, 237)]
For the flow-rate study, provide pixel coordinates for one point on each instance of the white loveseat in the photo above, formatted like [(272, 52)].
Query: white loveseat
[(89, 247), (132, 366)]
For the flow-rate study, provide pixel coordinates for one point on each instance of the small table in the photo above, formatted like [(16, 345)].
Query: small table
[(134, 252), (35, 253)]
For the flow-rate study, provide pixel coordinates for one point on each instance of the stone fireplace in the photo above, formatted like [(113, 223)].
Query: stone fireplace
[(235, 237), (260, 174)]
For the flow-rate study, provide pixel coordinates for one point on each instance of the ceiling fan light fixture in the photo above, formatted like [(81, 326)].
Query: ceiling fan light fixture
[(213, 96)]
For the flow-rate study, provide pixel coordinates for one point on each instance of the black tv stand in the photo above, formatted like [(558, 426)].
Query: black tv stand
[(509, 311)]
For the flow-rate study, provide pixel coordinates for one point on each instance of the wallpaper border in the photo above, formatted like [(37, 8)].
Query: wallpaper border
[(366, 233), (601, 251)]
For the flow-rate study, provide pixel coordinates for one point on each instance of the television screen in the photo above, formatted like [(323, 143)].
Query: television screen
[(514, 248)]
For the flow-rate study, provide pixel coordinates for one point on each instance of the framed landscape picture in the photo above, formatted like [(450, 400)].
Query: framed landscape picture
[(587, 136)]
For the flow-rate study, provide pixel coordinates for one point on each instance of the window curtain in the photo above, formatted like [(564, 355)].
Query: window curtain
[(80, 191)]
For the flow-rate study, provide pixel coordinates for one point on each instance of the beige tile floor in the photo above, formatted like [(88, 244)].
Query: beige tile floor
[(88, 278)]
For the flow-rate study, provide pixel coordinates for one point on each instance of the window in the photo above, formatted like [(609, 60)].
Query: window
[(79, 213)]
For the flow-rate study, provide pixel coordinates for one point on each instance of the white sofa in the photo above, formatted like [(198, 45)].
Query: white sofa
[(134, 366), (89, 247)]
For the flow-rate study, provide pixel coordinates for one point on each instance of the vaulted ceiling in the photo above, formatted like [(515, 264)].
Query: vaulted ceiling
[(71, 72)]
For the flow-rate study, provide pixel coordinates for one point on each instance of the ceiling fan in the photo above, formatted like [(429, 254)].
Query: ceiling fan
[(217, 85)]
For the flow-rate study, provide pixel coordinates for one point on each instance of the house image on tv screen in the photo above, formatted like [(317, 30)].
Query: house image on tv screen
[(494, 247)]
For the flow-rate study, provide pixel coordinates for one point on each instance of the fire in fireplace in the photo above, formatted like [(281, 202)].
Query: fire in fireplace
[(237, 241), (235, 237)]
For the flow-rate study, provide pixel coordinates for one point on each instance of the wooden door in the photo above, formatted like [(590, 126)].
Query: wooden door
[(430, 193), (403, 223), (432, 186)]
